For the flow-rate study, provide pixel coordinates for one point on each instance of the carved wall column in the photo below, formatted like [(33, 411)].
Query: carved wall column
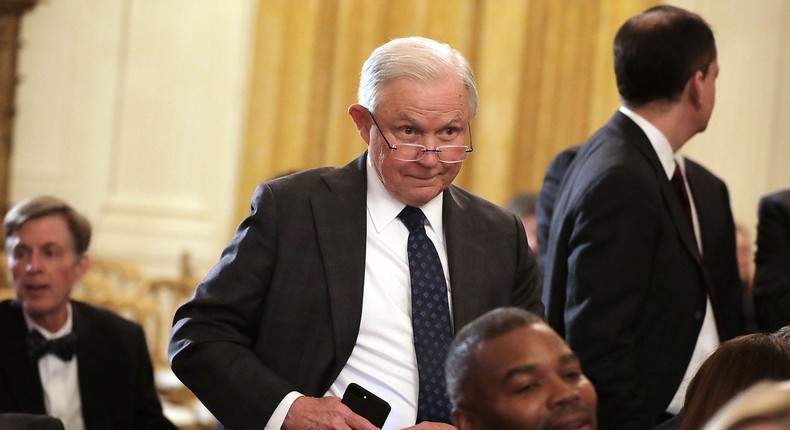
[(11, 12)]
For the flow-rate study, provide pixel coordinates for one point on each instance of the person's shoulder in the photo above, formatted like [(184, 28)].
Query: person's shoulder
[(10, 308), (8, 305), (297, 178), (478, 206), (695, 167), (779, 197), (695, 170), (107, 319)]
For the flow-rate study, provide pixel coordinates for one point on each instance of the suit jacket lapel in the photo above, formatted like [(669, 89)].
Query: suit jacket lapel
[(21, 371), (464, 237), (94, 375), (341, 224), (642, 143)]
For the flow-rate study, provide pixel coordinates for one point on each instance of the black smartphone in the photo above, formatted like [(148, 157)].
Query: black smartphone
[(366, 404)]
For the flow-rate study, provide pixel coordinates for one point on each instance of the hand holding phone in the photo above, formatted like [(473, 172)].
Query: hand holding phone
[(366, 404)]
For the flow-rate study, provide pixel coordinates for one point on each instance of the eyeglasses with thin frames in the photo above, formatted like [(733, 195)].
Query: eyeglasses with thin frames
[(415, 152)]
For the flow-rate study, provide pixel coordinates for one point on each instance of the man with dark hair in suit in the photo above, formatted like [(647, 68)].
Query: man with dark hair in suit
[(61, 357), (772, 260), (330, 278), (641, 275)]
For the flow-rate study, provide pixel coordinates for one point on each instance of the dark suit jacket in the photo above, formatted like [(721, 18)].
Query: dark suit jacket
[(624, 283), (281, 310), (116, 380), (14, 421), (772, 274), (544, 208)]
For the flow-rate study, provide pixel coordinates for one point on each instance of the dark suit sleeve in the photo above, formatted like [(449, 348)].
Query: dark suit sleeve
[(211, 345), (772, 274)]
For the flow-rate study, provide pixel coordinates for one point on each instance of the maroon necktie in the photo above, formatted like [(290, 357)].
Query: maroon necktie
[(680, 189)]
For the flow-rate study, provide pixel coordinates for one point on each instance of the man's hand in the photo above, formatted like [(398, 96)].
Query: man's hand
[(325, 413)]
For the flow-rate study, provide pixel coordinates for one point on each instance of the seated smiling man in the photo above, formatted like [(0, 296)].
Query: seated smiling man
[(509, 370)]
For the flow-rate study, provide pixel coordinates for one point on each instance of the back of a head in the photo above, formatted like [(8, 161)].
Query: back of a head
[(764, 406), (417, 58), (40, 206), (735, 366), (657, 51)]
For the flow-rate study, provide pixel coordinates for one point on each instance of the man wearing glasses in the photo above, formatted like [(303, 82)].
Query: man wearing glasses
[(359, 274)]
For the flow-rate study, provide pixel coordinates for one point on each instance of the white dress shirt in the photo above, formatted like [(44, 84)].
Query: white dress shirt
[(59, 379)]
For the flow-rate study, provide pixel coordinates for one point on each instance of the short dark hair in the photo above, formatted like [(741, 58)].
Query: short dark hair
[(488, 326), (735, 366), (657, 51), (40, 206)]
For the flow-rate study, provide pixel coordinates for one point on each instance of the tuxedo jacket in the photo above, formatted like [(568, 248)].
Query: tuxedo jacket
[(772, 273), (281, 310), (115, 375), (625, 283)]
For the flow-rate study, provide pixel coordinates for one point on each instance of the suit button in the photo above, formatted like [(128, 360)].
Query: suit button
[(698, 315)]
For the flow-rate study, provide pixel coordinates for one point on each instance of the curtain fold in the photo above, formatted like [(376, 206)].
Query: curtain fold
[(543, 68)]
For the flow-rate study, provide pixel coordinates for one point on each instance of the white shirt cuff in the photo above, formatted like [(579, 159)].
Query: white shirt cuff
[(278, 416)]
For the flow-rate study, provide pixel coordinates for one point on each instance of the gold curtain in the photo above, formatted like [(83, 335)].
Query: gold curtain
[(543, 68)]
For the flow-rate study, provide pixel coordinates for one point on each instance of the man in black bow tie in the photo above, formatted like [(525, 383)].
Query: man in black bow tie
[(84, 365)]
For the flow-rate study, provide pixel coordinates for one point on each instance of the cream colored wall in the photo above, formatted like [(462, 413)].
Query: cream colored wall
[(747, 142), (133, 110)]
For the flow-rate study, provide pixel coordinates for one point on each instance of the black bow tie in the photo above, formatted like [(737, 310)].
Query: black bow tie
[(62, 347)]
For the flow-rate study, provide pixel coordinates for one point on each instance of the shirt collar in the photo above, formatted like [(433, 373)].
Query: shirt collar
[(383, 208), (66, 329), (657, 140)]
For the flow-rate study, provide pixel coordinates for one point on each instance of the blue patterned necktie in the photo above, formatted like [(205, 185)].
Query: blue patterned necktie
[(430, 318)]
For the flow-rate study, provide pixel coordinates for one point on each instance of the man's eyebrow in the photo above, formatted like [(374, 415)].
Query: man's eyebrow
[(22, 245), (409, 118), (569, 358), (530, 369)]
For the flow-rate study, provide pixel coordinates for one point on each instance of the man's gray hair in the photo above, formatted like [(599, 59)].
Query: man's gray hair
[(417, 58), (460, 357)]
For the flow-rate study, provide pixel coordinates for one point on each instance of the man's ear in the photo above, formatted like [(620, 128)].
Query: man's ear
[(83, 264), (695, 88), (464, 419), (361, 118)]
